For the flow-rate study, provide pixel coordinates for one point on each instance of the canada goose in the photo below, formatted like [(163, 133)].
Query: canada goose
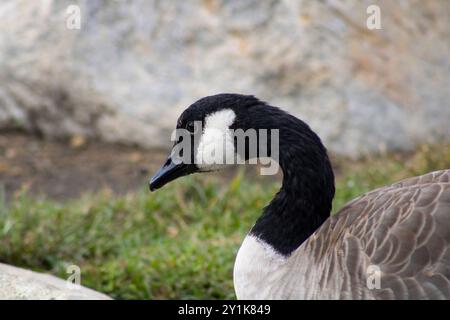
[(390, 243)]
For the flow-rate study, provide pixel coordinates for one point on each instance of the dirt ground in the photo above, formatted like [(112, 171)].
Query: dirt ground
[(65, 169)]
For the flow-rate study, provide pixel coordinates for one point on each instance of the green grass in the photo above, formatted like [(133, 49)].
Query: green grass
[(179, 242)]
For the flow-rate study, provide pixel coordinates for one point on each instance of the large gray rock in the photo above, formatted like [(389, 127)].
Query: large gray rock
[(134, 65), (16, 283)]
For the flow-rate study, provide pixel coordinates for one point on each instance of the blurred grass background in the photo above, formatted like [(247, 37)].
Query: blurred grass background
[(177, 243)]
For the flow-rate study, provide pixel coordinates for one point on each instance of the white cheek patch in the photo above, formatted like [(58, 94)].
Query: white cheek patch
[(216, 146)]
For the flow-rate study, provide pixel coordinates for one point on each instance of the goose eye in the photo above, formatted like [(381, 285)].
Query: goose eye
[(190, 126)]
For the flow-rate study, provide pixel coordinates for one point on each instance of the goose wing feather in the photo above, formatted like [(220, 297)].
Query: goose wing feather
[(390, 243)]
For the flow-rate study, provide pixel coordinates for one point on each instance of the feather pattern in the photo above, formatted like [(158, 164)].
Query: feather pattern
[(402, 231)]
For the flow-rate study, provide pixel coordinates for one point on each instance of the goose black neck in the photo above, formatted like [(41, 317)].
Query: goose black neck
[(305, 198)]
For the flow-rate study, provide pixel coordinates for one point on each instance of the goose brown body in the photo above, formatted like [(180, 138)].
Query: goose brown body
[(398, 233), (401, 229)]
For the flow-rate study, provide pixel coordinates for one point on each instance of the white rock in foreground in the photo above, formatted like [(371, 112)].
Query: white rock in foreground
[(16, 283)]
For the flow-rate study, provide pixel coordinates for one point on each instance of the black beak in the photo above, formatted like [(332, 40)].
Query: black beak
[(169, 172)]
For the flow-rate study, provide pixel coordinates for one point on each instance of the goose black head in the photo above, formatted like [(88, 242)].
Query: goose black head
[(203, 139), (207, 139)]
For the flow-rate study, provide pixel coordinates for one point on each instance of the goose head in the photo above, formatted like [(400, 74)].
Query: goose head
[(207, 137), (225, 129)]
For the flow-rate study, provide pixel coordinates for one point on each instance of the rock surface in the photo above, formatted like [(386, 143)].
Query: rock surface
[(130, 69), (16, 283)]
